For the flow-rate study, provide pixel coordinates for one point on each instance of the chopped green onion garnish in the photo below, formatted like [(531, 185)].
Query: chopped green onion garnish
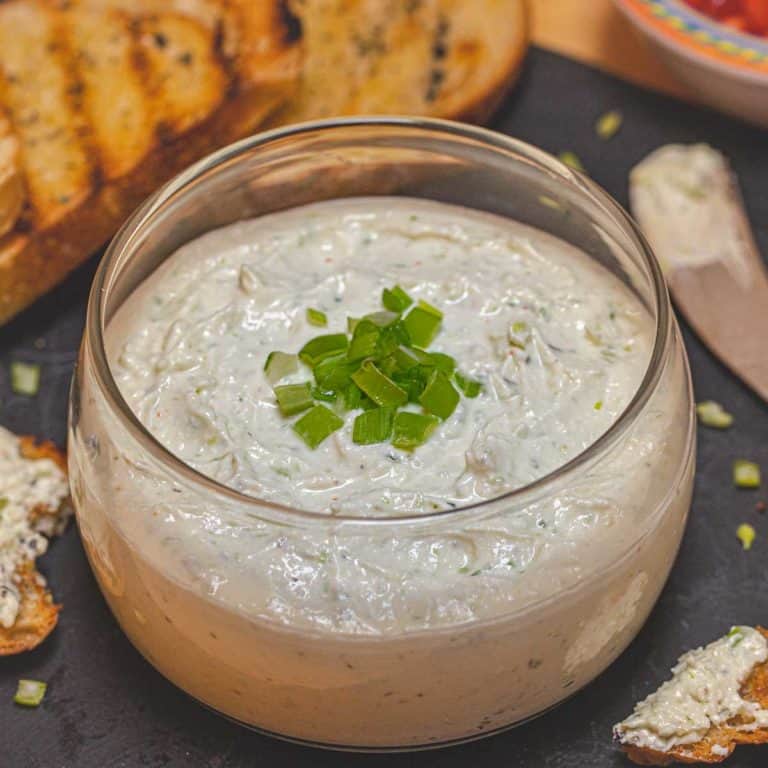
[(317, 424), (412, 429), (380, 388), (382, 319), (442, 362), (333, 372), (363, 345), (316, 317), (25, 378), (423, 323), (598, 406), (469, 387), (30, 693), (279, 365), (326, 395), (352, 324), (746, 474), (396, 299), (712, 414), (746, 534), (405, 358), (439, 397), (320, 347), (609, 124), (353, 397), (293, 398), (571, 159), (373, 426)]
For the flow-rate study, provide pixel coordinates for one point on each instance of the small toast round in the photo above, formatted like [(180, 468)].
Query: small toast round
[(38, 614), (724, 738)]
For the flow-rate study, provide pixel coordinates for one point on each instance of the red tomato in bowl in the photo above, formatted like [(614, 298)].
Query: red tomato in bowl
[(742, 15)]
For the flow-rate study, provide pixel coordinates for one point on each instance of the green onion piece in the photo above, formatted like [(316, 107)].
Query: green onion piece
[(396, 299), (293, 398), (316, 317), (25, 378), (30, 693), (373, 426), (442, 362), (571, 159), (746, 474), (279, 365), (382, 319), (410, 430), (609, 124), (363, 345), (326, 395), (353, 397), (439, 397), (746, 534), (352, 324), (320, 347), (333, 372), (379, 387), (406, 358), (712, 414), (391, 338), (469, 387), (423, 323), (317, 424)]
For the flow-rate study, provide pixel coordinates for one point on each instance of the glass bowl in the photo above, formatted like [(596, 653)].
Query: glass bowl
[(534, 639)]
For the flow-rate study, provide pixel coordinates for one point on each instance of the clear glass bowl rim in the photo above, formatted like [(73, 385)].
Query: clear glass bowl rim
[(143, 218)]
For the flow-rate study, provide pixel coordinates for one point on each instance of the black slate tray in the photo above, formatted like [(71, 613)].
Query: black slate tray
[(107, 707)]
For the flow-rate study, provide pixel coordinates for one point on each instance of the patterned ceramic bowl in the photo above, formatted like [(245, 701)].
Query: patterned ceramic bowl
[(725, 68)]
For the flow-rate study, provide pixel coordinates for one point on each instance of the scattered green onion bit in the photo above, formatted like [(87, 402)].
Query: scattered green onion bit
[(373, 426), (609, 124), (712, 414), (25, 378), (293, 398), (439, 397), (316, 317), (746, 474), (410, 430), (317, 349), (571, 159), (30, 693), (279, 365), (422, 323), (746, 535), (380, 388), (316, 425), (396, 299)]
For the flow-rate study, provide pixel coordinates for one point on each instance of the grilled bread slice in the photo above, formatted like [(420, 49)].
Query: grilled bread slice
[(106, 100), (33, 491), (720, 740), (444, 58)]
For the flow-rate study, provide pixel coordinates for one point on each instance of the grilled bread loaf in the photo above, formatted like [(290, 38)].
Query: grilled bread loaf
[(101, 101)]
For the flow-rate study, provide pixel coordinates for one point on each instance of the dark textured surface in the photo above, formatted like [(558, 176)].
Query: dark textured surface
[(107, 707)]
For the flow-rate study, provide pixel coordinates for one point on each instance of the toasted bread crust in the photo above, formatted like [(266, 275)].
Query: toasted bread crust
[(725, 738), (195, 76), (38, 615), (135, 90)]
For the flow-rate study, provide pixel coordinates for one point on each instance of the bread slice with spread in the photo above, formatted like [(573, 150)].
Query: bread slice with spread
[(33, 507), (716, 700)]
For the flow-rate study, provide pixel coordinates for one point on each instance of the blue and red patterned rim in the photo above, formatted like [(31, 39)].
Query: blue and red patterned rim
[(679, 24)]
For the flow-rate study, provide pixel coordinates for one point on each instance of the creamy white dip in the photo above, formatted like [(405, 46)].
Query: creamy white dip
[(26, 485), (558, 343), (703, 693)]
